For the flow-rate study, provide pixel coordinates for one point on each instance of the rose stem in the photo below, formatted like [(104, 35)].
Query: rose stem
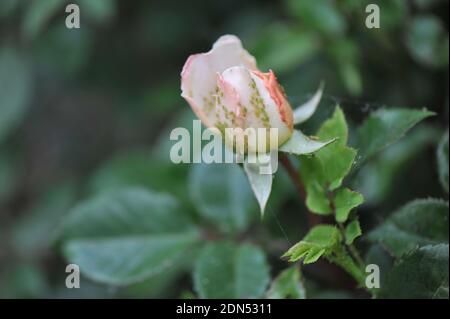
[(352, 249), (296, 180)]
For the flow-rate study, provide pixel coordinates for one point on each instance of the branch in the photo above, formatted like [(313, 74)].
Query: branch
[(313, 219)]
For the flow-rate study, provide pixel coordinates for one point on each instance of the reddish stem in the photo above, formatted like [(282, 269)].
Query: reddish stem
[(313, 219)]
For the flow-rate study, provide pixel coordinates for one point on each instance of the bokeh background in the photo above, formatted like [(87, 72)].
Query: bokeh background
[(86, 110)]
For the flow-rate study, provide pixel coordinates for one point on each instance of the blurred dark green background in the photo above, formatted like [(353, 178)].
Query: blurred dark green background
[(89, 109)]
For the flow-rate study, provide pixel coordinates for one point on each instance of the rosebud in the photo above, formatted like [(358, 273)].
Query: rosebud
[(226, 90)]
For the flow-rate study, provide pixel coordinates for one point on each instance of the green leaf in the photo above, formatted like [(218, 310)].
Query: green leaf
[(351, 75), (23, 281), (64, 51), (335, 127), (320, 240), (160, 286), (418, 223), (345, 200), (139, 168), (126, 236), (325, 241), (288, 284), (34, 231), (99, 11), (379, 178), (352, 231), (313, 255), (337, 165), (8, 7), (305, 111), (325, 170), (394, 14), (422, 274), (317, 199), (442, 156), (15, 89), (318, 15), (385, 127), (222, 194), (282, 47), (9, 175), (37, 14), (301, 144), (379, 256), (427, 41), (345, 54), (123, 261), (226, 270), (337, 159)]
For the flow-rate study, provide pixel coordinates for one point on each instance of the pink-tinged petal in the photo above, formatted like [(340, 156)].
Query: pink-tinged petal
[(255, 104), (229, 111), (277, 94), (229, 39), (199, 76)]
